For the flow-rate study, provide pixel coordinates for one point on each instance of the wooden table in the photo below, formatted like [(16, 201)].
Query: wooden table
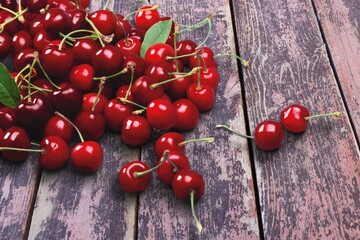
[(299, 51)]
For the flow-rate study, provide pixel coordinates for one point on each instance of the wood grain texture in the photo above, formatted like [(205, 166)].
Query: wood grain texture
[(227, 209), (309, 188), (340, 21)]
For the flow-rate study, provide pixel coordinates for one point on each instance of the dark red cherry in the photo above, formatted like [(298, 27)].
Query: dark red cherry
[(77, 19), (41, 40), (7, 118), (87, 156), (135, 62), (203, 97), (185, 47), (91, 124), (122, 91), (83, 50), (107, 60), (9, 4), (159, 52), (121, 28), (128, 45), (57, 126), (23, 58), (146, 18), (209, 77), (293, 118), (161, 114), (64, 5), (89, 100), (56, 20), (177, 89), (107, 90), (12, 26), (21, 40), (5, 44), (169, 141), (187, 114), (268, 135), (43, 83), (68, 100), (206, 56), (128, 180), (143, 93), (82, 76), (135, 130), (137, 33), (186, 181), (57, 62), (104, 20), (55, 153), (35, 5), (160, 71), (115, 113), (15, 137), (35, 24)]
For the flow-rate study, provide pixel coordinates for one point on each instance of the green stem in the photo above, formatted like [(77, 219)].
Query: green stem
[(333, 114), (208, 140), (131, 102), (192, 72), (131, 82), (17, 16), (164, 158), (181, 56), (46, 75), (192, 200), (233, 131), (101, 87), (243, 61), (68, 120), (20, 149), (8, 10), (95, 30), (199, 24), (125, 70), (207, 36), (71, 33)]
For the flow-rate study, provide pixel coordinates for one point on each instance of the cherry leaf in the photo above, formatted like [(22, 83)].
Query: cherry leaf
[(9, 92), (158, 33)]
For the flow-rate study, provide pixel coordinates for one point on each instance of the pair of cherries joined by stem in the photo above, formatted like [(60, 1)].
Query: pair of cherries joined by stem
[(268, 134)]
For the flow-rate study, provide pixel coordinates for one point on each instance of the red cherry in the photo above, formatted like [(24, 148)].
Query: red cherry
[(5, 45), (89, 100), (56, 153), (57, 62), (159, 52), (161, 114), (21, 40), (57, 126), (34, 5), (268, 135), (77, 19), (207, 56), (82, 76), (104, 21), (203, 97), (107, 60), (121, 28), (167, 171), (91, 124), (160, 71), (115, 112), (87, 156), (185, 47), (128, 45), (43, 83), (35, 24), (137, 33), (169, 141), (293, 118), (146, 18), (187, 114), (128, 180), (135, 62), (12, 26), (23, 58), (142, 93), (56, 20), (9, 4), (178, 88), (107, 90), (135, 130), (121, 93), (41, 40), (7, 118), (15, 137), (186, 181), (209, 77), (83, 50), (64, 5), (68, 100)]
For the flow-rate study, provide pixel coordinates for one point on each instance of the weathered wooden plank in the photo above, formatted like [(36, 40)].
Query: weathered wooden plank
[(228, 208), (340, 21), (309, 188)]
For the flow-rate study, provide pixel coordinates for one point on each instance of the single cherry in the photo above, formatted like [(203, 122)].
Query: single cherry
[(58, 126), (89, 100), (55, 153), (115, 112), (130, 178), (15, 137), (56, 20), (82, 76), (146, 17), (169, 141), (104, 21), (7, 118), (57, 62), (91, 124), (187, 114), (203, 96), (142, 93), (5, 44), (161, 114), (68, 100), (107, 60), (135, 130), (159, 52)]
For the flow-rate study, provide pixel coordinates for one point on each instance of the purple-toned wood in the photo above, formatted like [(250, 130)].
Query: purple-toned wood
[(227, 209), (340, 22), (309, 188)]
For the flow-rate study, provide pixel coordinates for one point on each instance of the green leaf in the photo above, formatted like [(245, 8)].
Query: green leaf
[(9, 92), (158, 33)]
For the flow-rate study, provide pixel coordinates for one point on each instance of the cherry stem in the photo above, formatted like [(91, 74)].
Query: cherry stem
[(121, 26), (141, 10), (131, 82), (68, 120), (233, 131), (106, 4), (96, 30), (333, 114), (192, 72), (36, 56), (199, 24), (208, 33), (46, 75), (20, 73), (176, 30), (21, 149), (181, 56), (17, 16), (164, 158), (8, 10), (208, 140), (35, 144), (138, 112), (71, 33), (243, 61), (125, 70), (101, 87), (192, 200), (131, 102)]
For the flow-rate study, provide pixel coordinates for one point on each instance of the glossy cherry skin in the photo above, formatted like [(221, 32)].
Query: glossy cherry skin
[(15, 137), (122, 27), (121, 93), (107, 91), (161, 114), (56, 20), (207, 56), (57, 62), (166, 171), (137, 33), (142, 93), (169, 141), (56, 153), (11, 27), (268, 135), (128, 45), (131, 60), (35, 24), (104, 20), (77, 19), (91, 124), (64, 5), (107, 60), (68, 100), (35, 5), (135, 130), (7, 118), (159, 52), (187, 114), (203, 97), (160, 71), (82, 76), (34, 113), (41, 40), (89, 100), (146, 18), (209, 77), (44, 84), (21, 40), (5, 44), (23, 58), (177, 89), (84, 49), (186, 181), (87, 156), (9, 4), (293, 118), (58, 126), (127, 179), (185, 47), (115, 113)]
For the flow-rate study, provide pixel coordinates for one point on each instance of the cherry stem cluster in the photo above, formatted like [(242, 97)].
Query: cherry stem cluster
[(192, 72), (17, 16), (164, 158), (123, 100), (233, 131), (101, 87)]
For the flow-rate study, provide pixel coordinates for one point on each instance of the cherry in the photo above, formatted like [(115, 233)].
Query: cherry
[(122, 27), (169, 141), (57, 62), (107, 60), (5, 45), (77, 19), (177, 162), (9, 4), (129, 178), (137, 33), (204, 59), (33, 112), (210, 77), (21, 40), (135, 130), (161, 114), (82, 76), (123, 91), (15, 137), (64, 5), (23, 58), (189, 185), (35, 24), (11, 27), (56, 20), (160, 71), (107, 89), (104, 21), (268, 135), (185, 47), (129, 45), (68, 100), (187, 114), (55, 153), (136, 65), (142, 92), (41, 40), (57, 126), (89, 101), (87, 156), (115, 112), (146, 17), (44, 84), (7, 118), (34, 5), (202, 96), (178, 88), (91, 124), (159, 52), (83, 50)]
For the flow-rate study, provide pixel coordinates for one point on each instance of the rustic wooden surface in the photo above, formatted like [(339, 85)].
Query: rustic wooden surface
[(308, 189)]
